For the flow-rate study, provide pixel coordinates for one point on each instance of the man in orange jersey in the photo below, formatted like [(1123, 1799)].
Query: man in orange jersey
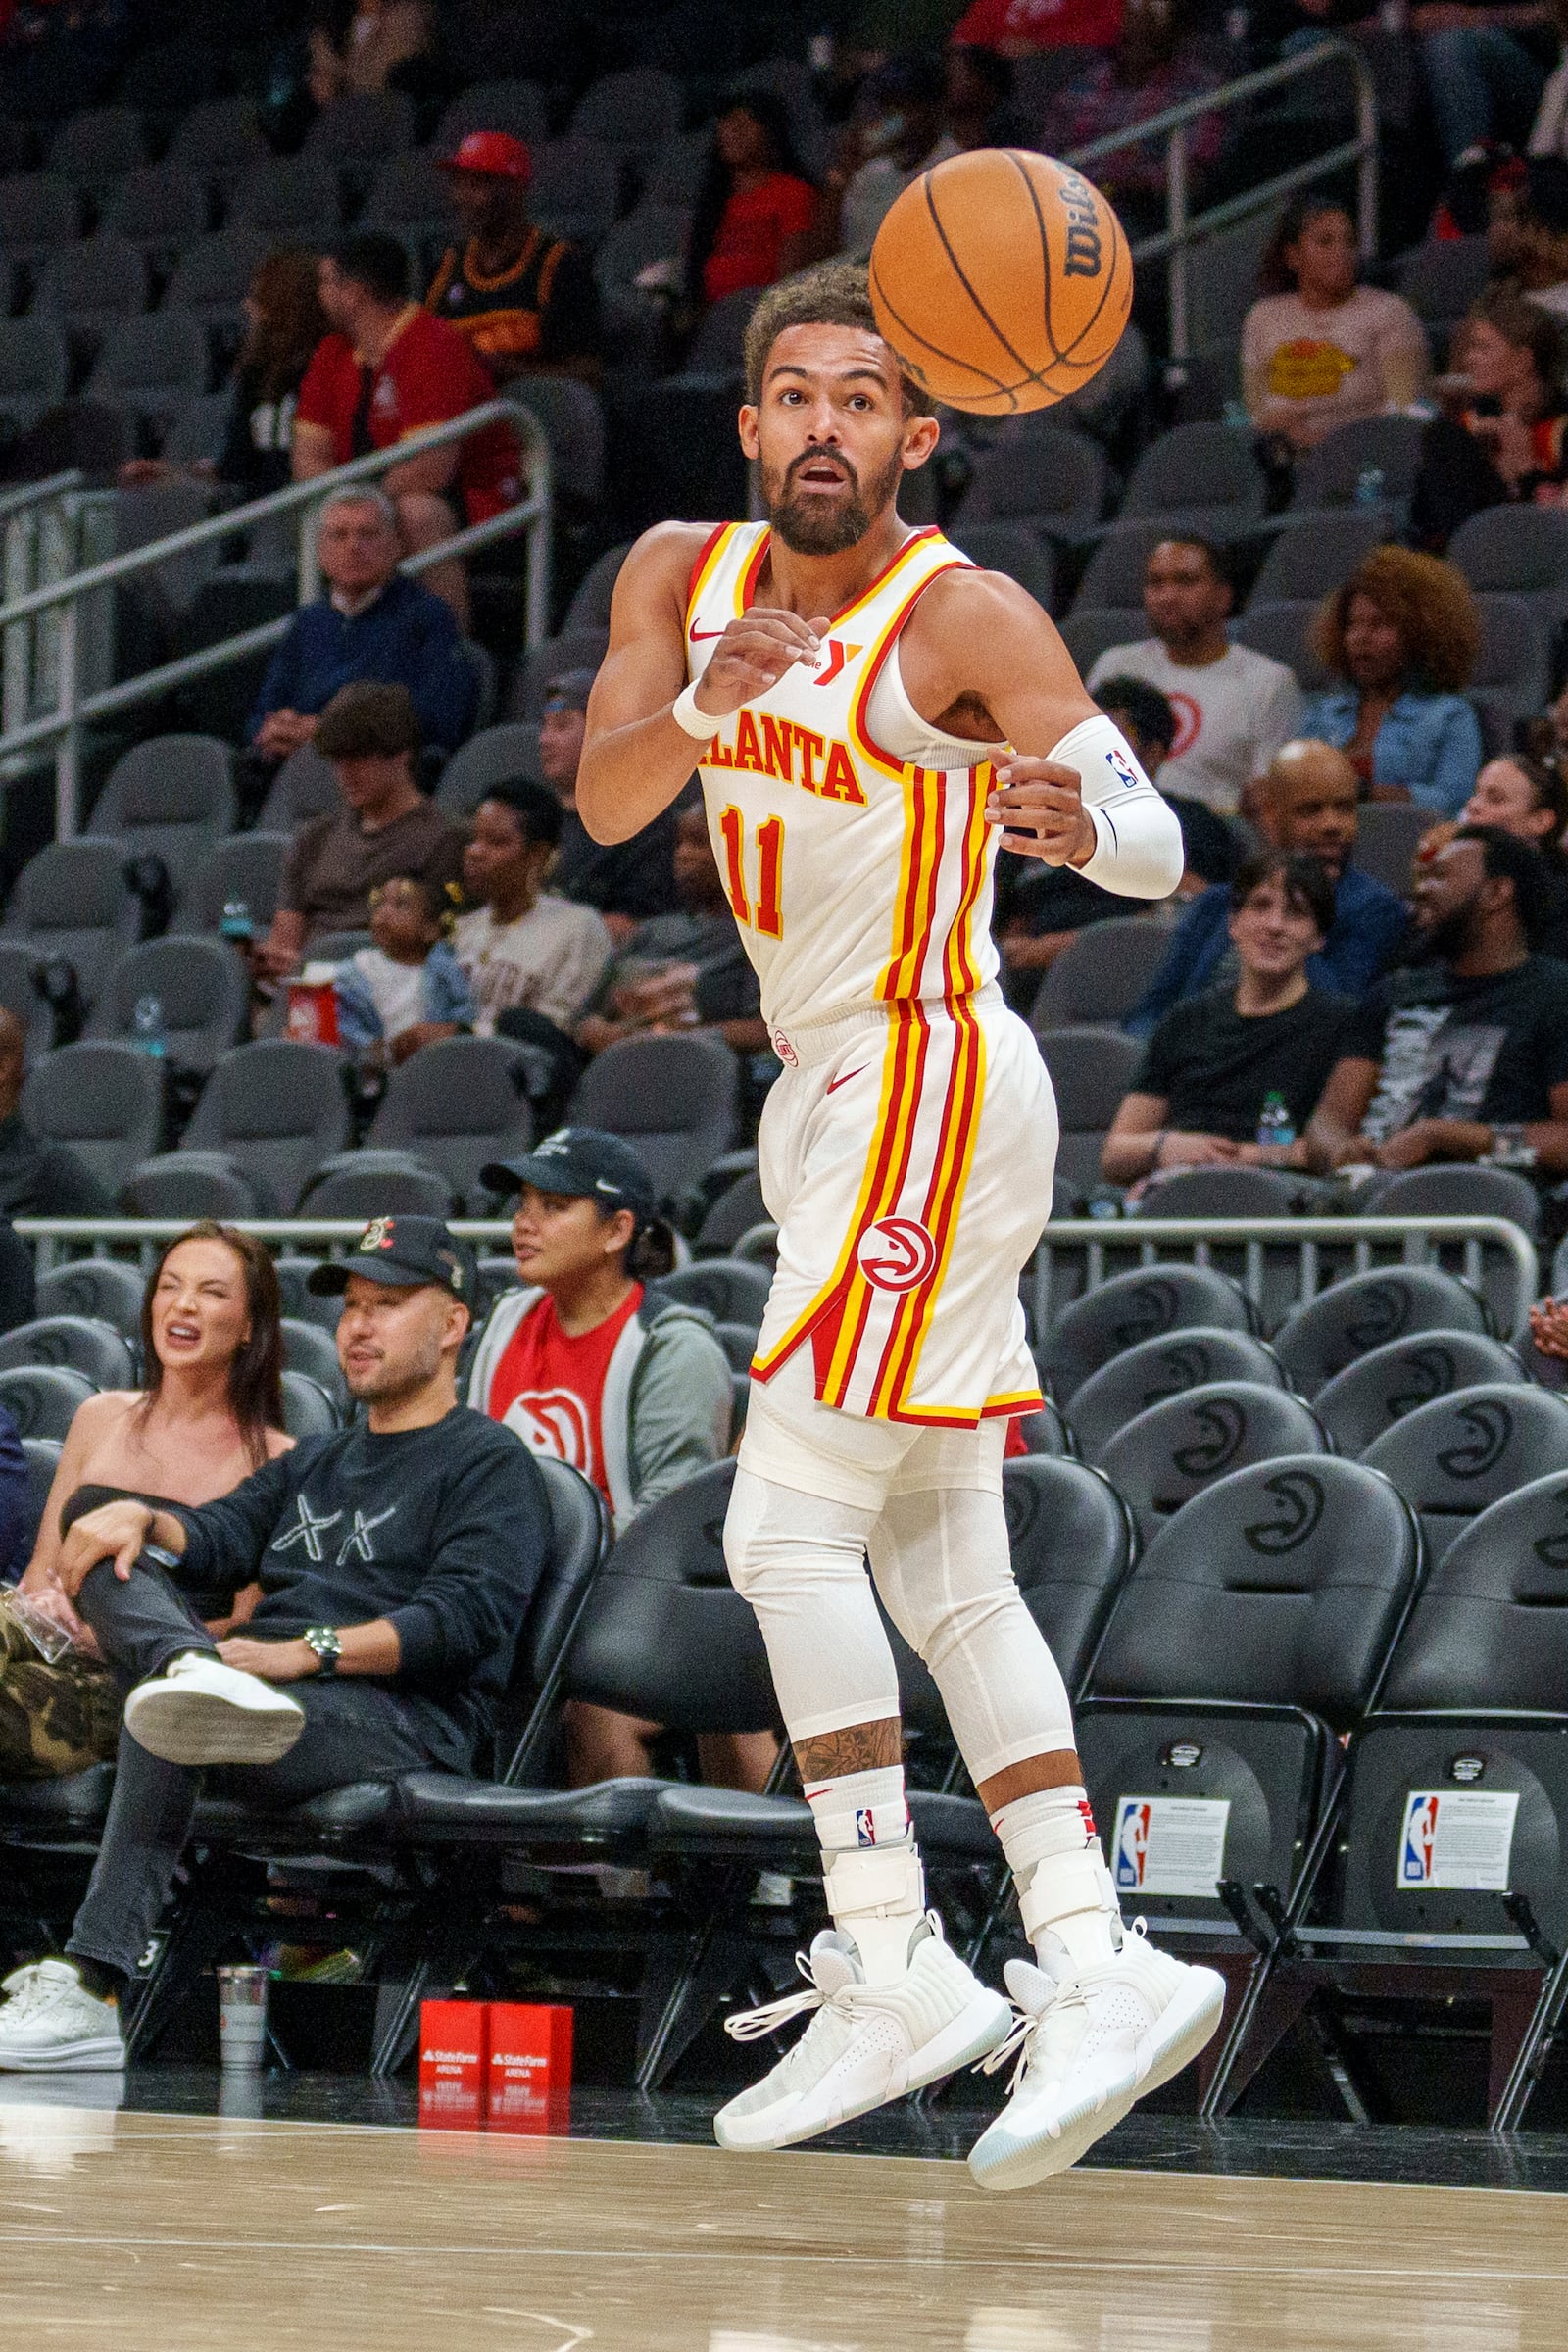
[(870, 716)]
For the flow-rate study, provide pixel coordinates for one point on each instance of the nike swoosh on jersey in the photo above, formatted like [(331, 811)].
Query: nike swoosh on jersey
[(834, 1084), (699, 634)]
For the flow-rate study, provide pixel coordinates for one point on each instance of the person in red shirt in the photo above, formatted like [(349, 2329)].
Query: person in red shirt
[(755, 209), (1022, 28), (585, 1363), (388, 369)]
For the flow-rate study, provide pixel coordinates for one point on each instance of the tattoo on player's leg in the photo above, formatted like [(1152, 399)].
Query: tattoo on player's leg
[(860, 1747)]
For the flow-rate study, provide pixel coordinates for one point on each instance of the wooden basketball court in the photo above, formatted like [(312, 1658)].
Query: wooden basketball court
[(192, 2233)]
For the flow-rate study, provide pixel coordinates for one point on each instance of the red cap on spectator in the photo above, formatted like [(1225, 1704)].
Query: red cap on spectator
[(495, 153)]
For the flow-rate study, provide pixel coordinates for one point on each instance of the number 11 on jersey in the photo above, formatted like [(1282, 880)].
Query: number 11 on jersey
[(767, 914)]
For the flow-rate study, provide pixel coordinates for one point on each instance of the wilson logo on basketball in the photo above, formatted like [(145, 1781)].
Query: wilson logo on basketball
[(552, 1421), (895, 1254), (1082, 209)]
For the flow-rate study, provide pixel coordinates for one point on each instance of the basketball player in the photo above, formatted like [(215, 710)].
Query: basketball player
[(870, 716)]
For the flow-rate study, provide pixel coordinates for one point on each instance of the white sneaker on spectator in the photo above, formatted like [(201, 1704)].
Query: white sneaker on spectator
[(200, 1711), (51, 2024), (866, 2043), (1090, 2042)]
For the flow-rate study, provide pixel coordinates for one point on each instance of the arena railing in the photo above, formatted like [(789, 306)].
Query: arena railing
[(1101, 1246), (1184, 229), (65, 603)]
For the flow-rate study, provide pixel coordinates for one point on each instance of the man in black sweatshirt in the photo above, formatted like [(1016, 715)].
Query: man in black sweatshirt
[(397, 1560)]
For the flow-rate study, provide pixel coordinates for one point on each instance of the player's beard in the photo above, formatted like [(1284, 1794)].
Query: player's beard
[(819, 526)]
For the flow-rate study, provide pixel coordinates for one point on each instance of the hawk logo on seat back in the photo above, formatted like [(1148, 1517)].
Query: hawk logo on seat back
[(1302, 1502)]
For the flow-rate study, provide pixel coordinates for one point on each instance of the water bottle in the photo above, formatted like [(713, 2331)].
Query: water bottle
[(1237, 417), (148, 1022), (1369, 486), (236, 920), (1275, 1124)]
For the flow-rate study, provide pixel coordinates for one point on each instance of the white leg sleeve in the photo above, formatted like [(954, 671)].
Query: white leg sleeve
[(800, 1560), (940, 1562)]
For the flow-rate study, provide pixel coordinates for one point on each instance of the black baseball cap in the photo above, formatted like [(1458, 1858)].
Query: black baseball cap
[(405, 1253), (582, 1160)]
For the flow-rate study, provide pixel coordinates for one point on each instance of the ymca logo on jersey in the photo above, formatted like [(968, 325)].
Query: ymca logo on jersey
[(895, 1254), (554, 1422), (1132, 1843), (1419, 1844)]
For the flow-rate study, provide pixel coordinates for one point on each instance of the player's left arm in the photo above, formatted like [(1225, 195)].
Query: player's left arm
[(1069, 790)]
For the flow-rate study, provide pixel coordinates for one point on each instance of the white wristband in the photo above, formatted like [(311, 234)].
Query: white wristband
[(692, 721)]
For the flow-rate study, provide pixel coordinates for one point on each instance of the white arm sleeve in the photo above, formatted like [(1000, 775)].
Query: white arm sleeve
[(1140, 852)]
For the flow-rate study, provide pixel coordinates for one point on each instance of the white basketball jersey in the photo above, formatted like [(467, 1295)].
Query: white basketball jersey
[(857, 877)]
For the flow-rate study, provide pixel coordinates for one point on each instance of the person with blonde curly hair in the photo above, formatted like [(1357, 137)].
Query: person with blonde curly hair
[(1402, 632)]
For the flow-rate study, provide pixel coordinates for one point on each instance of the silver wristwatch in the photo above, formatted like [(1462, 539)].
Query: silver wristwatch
[(324, 1639)]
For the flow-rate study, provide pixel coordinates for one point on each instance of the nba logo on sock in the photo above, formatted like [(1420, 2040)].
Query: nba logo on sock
[(1132, 1842), (1420, 1840), (865, 1825)]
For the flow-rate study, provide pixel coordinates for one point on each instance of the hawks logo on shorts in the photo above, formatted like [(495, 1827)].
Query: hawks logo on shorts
[(897, 1254)]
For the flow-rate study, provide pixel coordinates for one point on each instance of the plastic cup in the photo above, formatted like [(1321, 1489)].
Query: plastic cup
[(242, 2014)]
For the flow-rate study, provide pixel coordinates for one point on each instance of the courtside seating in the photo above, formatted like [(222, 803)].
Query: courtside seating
[(1171, 1452), (1365, 1312), (1146, 1304), (1454, 1458), (1377, 1389)]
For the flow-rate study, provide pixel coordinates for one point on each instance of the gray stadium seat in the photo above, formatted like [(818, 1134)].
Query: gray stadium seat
[(1282, 631), (305, 786), (359, 127), (188, 1184), (1364, 1311), (71, 900), (1113, 576), (1156, 1370), (99, 143), (1385, 842), (246, 869), (576, 190), (1101, 973), (409, 192), (495, 756), (198, 432), (309, 1349), (42, 1399), (738, 1208), (674, 1099), (512, 105), (21, 997), (727, 1289), (1013, 549), (101, 1287), (454, 1105), (1092, 632), (213, 273), (1224, 1193), (1306, 562), (43, 1460), (589, 607), (1331, 473), (202, 986), (1516, 550), (572, 421), (94, 284), (292, 198), (218, 139), (146, 513), (152, 366), (308, 1409), (1201, 475), (83, 1343), (104, 1100), (1146, 1304), (41, 211), (634, 111), (1442, 279), (1090, 1069), (1377, 1389), (1058, 481), (1459, 1189), (579, 649), (1171, 1452), (34, 369), (1454, 1458), (1045, 1432), (305, 1306), (376, 1184), (278, 1109), (172, 797), (157, 208), (1512, 677)]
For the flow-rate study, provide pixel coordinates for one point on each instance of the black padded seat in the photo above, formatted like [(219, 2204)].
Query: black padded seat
[(1167, 1365), (1145, 1304), (1455, 1457), (1358, 1404), (778, 1832), (361, 1810), (73, 1805), (1351, 1318), (442, 1806)]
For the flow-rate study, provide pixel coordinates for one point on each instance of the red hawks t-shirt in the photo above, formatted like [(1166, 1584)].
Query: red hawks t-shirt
[(427, 374), (549, 1386)]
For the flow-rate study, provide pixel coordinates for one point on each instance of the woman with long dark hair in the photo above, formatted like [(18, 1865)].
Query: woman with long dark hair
[(211, 1412), (1317, 349), (756, 208)]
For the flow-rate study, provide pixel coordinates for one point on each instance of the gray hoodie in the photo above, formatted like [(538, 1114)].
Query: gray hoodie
[(667, 1401)]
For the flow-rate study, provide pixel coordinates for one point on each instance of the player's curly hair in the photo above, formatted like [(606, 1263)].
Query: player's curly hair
[(829, 294), (1427, 601)]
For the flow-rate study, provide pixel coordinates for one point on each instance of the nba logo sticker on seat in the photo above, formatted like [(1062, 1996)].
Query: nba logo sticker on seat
[(1170, 1844), (1458, 1839), (895, 1254)]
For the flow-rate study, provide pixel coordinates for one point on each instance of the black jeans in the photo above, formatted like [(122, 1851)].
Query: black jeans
[(355, 1729)]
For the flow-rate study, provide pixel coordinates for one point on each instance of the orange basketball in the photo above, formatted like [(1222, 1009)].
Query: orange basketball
[(1001, 279)]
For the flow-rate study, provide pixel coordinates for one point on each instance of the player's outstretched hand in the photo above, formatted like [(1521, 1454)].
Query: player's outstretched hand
[(752, 654), (1039, 804)]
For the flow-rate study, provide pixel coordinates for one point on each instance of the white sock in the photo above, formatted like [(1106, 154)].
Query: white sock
[(871, 1868), (862, 1808), (1065, 1893)]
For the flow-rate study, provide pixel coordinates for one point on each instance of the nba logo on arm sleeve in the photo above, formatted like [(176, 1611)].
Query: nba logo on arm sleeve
[(1121, 765)]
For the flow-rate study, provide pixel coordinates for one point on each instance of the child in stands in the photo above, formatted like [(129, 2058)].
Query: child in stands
[(407, 988)]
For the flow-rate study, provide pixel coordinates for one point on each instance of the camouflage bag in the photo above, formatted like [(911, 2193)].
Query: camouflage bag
[(54, 1719)]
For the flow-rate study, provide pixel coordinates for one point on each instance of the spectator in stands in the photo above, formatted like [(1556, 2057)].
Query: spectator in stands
[(525, 301), (386, 826), (1025, 27), (895, 132), (388, 368), (1509, 440), (1307, 803), (371, 621), (755, 209), (1404, 634), (625, 881), (584, 1363), (1463, 1055), (1155, 65), (1527, 234), (283, 323), (1527, 796), (379, 1652), (1319, 350), (1045, 910), (366, 45), (211, 1412), (407, 987), (523, 947), (37, 1179), (1215, 1059), (682, 971), (1233, 708), (1484, 80)]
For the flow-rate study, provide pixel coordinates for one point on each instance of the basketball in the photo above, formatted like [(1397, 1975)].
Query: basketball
[(1001, 280)]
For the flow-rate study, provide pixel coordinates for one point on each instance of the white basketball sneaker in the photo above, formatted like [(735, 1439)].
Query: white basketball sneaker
[(865, 2044), (51, 2024), (1089, 2044), (200, 1711)]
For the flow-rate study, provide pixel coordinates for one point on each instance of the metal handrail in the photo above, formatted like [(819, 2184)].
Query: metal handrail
[(75, 712), (1181, 229), (39, 494)]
